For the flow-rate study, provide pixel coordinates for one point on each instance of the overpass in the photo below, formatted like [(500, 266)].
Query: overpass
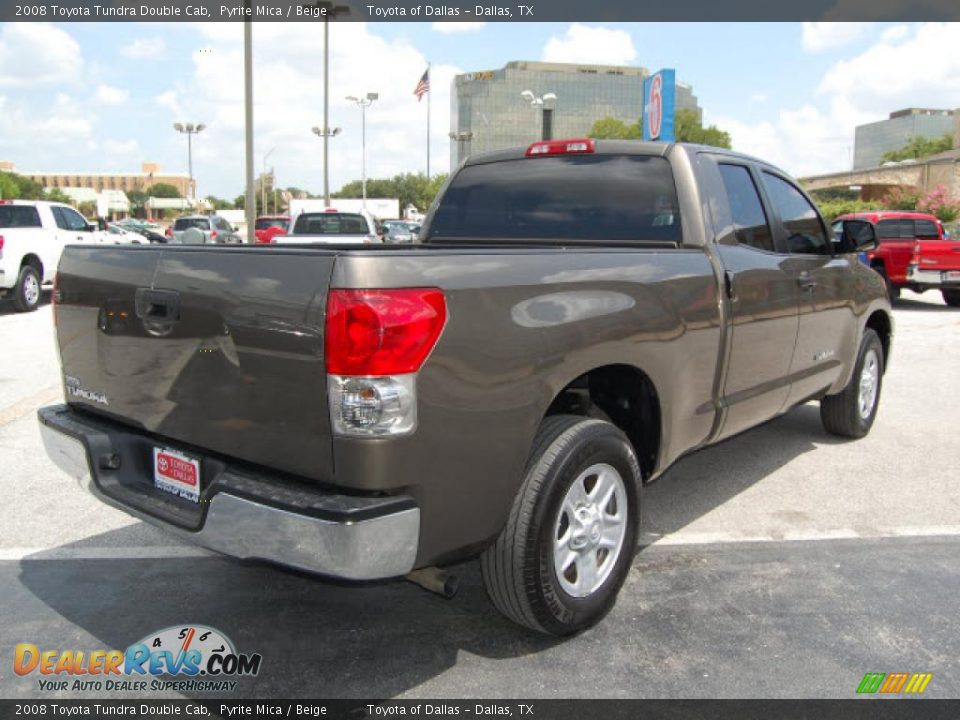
[(915, 176)]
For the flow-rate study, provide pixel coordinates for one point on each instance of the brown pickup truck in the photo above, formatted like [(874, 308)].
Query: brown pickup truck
[(576, 316)]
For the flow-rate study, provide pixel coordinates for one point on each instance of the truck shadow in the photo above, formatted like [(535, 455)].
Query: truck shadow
[(911, 305), (6, 305), (377, 640)]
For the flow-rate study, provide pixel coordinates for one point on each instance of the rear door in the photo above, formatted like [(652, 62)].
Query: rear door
[(896, 239), (217, 348), (827, 326)]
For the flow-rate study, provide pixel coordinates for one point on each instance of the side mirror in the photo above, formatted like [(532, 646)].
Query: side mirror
[(859, 236)]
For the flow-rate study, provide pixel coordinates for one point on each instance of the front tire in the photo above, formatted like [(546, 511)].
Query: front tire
[(851, 412), (26, 293), (571, 535), (951, 297)]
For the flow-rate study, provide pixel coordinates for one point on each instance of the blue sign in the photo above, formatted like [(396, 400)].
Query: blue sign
[(659, 105)]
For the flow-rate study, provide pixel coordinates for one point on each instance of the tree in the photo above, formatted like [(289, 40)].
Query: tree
[(938, 202), (219, 203), (88, 208), (900, 199), (18, 187), (687, 127), (408, 188), (57, 195), (609, 128), (137, 199), (162, 190), (919, 147)]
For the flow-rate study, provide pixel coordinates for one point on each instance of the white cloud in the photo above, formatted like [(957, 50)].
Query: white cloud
[(897, 32), (819, 36), (144, 48), (288, 102), (588, 44), (818, 136), (448, 28), (34, 54), (109, 95)]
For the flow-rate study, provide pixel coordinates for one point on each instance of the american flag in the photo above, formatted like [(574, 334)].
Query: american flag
[(423, 87)]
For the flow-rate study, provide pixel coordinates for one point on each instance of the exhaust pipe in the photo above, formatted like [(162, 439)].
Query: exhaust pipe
[(436, 581)]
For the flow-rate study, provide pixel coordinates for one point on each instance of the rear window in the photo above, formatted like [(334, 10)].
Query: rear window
[(330, 224), (573, 197), (267, 223), (19, 216), (187, 223)]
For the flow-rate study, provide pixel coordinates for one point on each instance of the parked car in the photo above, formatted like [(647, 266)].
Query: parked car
[(33, 234), (332, 227), (578, 316), (397, 231), (913, 252), (269, 226), (204, 230)]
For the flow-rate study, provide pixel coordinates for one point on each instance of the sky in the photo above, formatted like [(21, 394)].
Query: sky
[(103, 97)]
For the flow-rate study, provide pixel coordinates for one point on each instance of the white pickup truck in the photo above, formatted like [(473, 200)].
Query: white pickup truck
[(33, 234), (332, 227)]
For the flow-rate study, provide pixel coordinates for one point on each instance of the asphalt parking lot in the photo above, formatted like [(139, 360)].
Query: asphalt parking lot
[(782, 563)]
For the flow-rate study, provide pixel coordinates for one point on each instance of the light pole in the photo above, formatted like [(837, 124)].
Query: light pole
[(263, 182), (332, 11), (326, 133), (462, 136), (545, 103), (363, 103), (189, 129)]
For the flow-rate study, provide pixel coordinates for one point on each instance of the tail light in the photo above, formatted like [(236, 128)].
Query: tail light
[(561, 147), (213, 234), (168, 232), (1, 245), (376, 341)]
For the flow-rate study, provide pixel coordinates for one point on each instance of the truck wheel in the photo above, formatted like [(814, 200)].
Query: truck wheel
[(26, 293), (951, 297), (851, 412), (570, 539)]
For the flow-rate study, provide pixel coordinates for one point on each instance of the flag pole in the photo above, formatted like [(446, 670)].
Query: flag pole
[(429, 93)]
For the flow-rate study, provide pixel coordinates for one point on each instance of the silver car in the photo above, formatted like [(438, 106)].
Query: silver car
[(204, 230)]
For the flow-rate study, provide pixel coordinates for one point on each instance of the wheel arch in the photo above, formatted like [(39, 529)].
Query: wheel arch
[(627, 397), (882, 324)]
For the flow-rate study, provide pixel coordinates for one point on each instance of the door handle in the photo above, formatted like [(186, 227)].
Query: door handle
[(806, 281)]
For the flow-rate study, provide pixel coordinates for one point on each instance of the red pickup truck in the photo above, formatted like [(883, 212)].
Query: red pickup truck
[(913, 253)]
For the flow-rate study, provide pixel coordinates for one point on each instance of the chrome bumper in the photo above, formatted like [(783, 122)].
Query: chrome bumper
[(373, 548), (929, 277)]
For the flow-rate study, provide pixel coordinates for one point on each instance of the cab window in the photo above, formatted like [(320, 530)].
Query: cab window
[(749, 219), (804, 230)]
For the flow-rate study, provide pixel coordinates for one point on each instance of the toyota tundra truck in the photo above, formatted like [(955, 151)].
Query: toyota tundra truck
[(579, 315)]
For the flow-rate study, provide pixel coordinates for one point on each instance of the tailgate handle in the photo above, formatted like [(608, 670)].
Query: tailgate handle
[(158, 305)]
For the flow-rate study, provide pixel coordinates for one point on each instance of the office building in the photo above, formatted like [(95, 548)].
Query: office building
[(150, 175), (874, 139), (489, 113)]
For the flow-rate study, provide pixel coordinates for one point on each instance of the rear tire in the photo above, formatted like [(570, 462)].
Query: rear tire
[(26, 293), (851, 412), (951, 297), (577, 510)]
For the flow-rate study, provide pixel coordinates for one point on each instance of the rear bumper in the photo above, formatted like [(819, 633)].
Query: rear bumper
[(930, 278), (242, 513)]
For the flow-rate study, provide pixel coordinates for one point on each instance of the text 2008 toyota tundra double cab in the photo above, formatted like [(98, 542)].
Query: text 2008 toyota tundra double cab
[(578, 316)]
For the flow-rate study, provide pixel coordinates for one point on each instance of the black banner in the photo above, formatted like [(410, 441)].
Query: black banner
[(460, 11), (854, 709)]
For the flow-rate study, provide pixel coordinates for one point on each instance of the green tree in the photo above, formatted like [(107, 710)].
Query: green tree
[(609, 128), (687, 127), (88, 208), (900, 199), (57, 195), (919, 147), (18, 187), (137, 199), (162, 190), (219, 203)]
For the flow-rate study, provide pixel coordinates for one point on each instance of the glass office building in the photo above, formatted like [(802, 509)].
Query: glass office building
[(488, 112), (871, 141)]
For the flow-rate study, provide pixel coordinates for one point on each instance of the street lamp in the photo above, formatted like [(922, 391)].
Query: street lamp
[(461, 136), (363, 103), (189, 129), (326, 133), (332, 12), (545, 104)]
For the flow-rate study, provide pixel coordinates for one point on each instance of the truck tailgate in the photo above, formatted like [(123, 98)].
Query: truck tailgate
[(214, 347)]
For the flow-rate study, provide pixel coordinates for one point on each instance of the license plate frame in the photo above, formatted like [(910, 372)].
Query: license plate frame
[(176, 473)]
